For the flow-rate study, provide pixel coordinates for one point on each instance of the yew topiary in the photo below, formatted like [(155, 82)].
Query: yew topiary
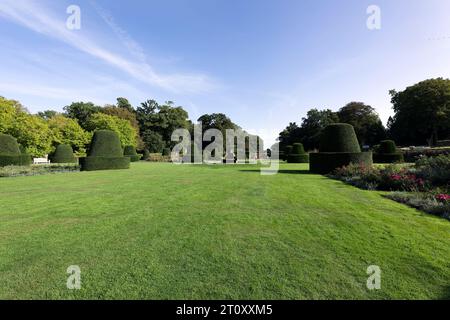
[(105, 153), (130, 151), (63, 154), (338, 147), (298, 154), (387, 153), (10, 152)]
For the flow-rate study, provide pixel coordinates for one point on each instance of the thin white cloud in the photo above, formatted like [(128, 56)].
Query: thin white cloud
[(37, 19)]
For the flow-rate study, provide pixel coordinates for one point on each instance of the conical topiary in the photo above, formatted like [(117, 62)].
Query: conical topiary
[(130, 151), (10, 153), (298, 154), (63, 154), (338, 147), (105, 153), (387, 153)]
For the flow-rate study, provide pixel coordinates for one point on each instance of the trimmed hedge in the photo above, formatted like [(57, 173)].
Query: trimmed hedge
[(63, 154), (298, 154), (387, 146), (339, 137), (15, 160), (326, 162), (10, 153), (130, 151), (105, 143), (105, 153), (338, 147), (387, 153), (388, 157), (104, 163)]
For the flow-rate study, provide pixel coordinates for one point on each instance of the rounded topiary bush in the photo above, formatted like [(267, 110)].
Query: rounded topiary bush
[(10, 152), (63, 154), (130, 151), (105, 153), (338, 147), (298, 154), (387, 153)]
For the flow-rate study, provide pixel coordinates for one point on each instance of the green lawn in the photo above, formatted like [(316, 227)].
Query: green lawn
[(161, 231)]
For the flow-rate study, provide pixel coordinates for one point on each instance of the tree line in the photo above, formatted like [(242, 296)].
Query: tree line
[(147, 127), (422, 117)]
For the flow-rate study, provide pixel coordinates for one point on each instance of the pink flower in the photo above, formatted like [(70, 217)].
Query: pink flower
[(396, 177), (443, 197)]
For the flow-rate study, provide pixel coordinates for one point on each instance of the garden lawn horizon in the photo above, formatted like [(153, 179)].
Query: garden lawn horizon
[(164, 231)]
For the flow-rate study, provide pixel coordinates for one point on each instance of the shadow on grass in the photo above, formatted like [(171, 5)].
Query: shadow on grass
[(281, 171)]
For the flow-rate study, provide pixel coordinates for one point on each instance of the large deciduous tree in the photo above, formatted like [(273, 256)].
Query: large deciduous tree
[(126, 132), (82, 112), (368, 126), (422, 113), (68, 131)]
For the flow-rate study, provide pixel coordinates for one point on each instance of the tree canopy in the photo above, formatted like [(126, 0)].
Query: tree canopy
[(422, 113)]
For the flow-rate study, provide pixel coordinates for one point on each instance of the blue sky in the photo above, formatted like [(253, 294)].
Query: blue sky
[(263, 63)]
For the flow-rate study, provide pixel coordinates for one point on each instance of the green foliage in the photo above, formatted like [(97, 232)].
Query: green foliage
[(365, 121), (326, 162), (100, 121), (387, 153), (34, 170), (288, 151), (298, 154), (424, 109), (30, 131), (153, 141), (67, 131), (105, 153), (339, 137), (387, 146), (104, 163), (10, 153), (8, 145), (130, 151), (105, 143), (159, 119), (63, 154), (82, 112), (33, 133), (166, 152), (146, 154), (435, 169)]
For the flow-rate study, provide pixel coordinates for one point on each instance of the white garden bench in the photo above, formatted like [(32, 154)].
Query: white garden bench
[(41, 160)]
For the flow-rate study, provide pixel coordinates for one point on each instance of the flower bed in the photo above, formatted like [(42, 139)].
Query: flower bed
[(425, 185), (33, 170)]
